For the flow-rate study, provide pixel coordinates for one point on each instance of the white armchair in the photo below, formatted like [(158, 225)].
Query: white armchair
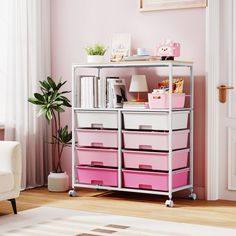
[(10, 171)]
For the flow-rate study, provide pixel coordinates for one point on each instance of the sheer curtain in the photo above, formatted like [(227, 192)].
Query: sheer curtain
[(27, 55)]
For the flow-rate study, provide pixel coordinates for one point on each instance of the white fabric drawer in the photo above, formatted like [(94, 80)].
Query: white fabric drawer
[(97, 138), (155, 120), (97, 119)]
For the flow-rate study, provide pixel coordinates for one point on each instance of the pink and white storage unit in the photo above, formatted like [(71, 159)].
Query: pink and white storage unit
[(135, 150)]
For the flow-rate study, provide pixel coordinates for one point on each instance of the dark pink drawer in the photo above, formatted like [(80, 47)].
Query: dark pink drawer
[(97, 176), (154, 180)]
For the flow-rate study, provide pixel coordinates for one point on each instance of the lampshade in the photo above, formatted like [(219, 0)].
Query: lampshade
[(138, 83)]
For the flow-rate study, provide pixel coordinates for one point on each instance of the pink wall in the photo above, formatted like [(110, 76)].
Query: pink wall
[(77, 23)]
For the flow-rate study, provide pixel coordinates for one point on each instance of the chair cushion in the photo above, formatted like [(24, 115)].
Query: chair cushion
[(6, 181)]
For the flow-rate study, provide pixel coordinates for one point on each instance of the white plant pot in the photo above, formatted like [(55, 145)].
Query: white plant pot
[(58, 182), (95, 59)]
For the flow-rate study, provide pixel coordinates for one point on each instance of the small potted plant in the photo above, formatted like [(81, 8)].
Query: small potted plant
[(52, 102), (95, 53)]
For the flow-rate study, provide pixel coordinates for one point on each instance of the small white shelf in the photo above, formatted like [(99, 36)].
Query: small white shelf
[(154, 63)]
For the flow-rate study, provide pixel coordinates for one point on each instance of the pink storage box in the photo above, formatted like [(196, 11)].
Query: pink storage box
[(155, 160), (155, 140), (97, 138), (97, 176), (97, 157), (154, 180), (160, 101)]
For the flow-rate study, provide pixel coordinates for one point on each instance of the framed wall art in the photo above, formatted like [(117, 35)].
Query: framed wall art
[(155, 5)]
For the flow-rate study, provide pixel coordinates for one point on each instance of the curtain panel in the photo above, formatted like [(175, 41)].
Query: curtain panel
[(28, 61)]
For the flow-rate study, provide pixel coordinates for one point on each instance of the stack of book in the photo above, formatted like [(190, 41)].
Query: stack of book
[(135, 105), (88, 91), (141, 58), (102, 92)]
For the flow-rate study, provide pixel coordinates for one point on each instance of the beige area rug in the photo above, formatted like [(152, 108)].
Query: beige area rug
[(50, 221)]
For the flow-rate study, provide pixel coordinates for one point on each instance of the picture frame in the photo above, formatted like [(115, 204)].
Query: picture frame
[(121, 46), (157, 5)]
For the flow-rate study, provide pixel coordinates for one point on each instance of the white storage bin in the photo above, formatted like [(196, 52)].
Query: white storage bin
[(97, 138), (97, 119), (155, 120)]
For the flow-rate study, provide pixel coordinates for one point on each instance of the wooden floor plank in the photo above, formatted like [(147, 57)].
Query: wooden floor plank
[(214, 213)]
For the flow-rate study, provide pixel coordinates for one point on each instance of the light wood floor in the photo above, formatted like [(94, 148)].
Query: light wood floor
[(215, 213)]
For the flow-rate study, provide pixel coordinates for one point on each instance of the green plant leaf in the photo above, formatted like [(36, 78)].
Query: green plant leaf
[(45, 85), (96, 49), (35, 101), (60, 84), (64, 136), (39, 97), (49, 115), (59, 109), (51, 83), (67, 104), (42, 111)]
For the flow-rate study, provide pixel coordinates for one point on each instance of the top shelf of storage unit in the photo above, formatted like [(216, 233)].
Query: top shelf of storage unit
[(154, 63)]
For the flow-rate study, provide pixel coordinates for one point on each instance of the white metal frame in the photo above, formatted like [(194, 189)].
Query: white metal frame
[(168, 64)]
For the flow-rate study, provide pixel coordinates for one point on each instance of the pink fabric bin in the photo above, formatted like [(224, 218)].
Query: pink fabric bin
[(155, 140), (97, 138), (154, 180), (97, 157), (97, 176), (161, 101), (155, 160)]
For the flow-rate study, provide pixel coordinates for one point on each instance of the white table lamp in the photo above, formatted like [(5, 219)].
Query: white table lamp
[(138, 84)]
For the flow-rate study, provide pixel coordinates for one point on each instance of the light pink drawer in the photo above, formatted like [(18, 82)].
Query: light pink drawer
[(154, 160), (155, 140), (97, 176), (97, 138), (97, 157), (154, 180)]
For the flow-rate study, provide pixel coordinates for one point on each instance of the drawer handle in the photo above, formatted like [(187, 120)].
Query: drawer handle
[(96, 163), (145, 146), (95, 144), (96, 182), (96, 125), (145, 186), (149, 167), (144, 127), (156, 97)]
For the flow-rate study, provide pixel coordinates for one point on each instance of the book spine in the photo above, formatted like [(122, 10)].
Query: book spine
[(95, 89), (82, 93), (99, 93), (90, 92)]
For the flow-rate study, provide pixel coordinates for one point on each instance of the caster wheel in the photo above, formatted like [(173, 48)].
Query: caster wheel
[(169, 203), (72, 193), (193, 196)]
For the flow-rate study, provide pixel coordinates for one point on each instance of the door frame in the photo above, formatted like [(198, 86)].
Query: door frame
[(212, 110), (213, 46)]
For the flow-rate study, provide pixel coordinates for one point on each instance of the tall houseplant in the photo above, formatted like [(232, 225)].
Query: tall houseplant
[(52, 103)]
